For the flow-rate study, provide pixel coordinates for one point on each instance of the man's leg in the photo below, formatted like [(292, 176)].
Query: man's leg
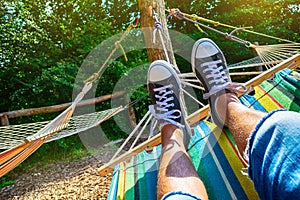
[(177, 173), (177, 178), (210, 67), (272, 139), (273, 149), (241, 121)]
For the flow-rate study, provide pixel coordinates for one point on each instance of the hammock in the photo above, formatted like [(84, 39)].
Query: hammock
[(9, 159), (14, 135), (202, 113), (36, 134), (220, 167)]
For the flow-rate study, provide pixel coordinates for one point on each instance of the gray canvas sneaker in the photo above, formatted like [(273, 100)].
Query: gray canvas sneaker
[(164, 87), (209, 66)]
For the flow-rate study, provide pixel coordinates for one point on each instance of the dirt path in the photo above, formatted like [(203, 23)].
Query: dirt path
[(62, 180)]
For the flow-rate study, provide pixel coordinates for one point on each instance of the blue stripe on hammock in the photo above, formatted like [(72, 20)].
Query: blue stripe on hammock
[(151, 168), (114, 184), (141, 182), (225, 165), (205, 164), (147, 171), (208, 169), (145, 176), (251, 101), (214, 176)]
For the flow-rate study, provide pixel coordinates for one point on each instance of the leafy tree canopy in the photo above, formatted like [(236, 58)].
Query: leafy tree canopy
[(43, 43)]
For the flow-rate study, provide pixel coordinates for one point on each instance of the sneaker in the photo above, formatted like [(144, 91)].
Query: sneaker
[(209, 66), (164, 87)]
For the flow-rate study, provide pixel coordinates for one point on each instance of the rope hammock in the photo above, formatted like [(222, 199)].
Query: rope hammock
[(11, 158), (14, 135)]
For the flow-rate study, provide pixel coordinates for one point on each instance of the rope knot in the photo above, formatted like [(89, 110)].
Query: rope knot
[(194, 17), (158, 25), (228, 36), (118, 45), (217, 23), (92, 78), (179, 14)]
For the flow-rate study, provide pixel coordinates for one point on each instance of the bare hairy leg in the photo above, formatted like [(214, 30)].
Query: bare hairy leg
[(177, 172), (240, 120)]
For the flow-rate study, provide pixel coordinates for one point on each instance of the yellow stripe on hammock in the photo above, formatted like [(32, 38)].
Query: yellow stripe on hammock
[(129, 182), (121, 186), (265, 100), (236, 164)]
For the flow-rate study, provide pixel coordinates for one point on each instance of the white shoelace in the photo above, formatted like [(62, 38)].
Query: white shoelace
[(219, 77), (163, 104)]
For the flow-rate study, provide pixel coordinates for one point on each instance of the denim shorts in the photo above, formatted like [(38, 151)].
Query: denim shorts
[(179, 196), (274, 156)]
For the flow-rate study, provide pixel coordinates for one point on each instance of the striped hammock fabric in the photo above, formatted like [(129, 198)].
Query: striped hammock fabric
[(212, 150)]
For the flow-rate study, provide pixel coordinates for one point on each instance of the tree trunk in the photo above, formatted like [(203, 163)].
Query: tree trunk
[(155, 50), (4, 120)]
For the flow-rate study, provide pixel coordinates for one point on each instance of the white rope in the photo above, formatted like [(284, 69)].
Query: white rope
[(158, 29), (131, 134)]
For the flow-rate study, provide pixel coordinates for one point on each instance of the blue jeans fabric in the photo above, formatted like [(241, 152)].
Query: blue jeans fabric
[(179, 196), (274, 156)]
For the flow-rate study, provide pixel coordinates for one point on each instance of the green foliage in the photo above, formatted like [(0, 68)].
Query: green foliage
[(42, 47), (44, 43), (4, 182)]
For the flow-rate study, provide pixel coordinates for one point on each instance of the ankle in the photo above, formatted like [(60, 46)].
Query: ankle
[(171, 133), (224, 103)]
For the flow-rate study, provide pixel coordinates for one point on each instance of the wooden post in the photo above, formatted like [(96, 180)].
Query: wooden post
[(4, 120), (155, 51), (131, 113)]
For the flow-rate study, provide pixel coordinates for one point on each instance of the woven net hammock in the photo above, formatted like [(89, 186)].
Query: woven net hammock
[(273, 54), (13, 135)]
